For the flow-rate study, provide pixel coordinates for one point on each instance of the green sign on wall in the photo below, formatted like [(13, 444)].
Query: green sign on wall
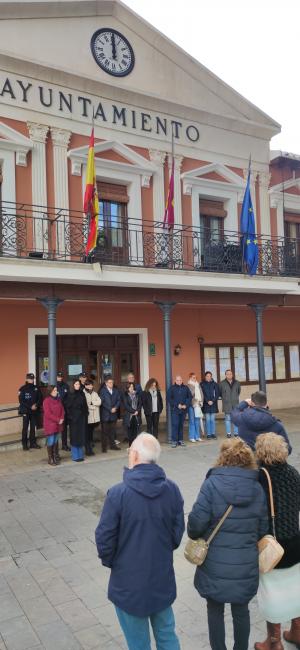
[(152, 350)]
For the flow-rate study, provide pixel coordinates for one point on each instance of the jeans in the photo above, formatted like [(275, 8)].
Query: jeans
[(52, 440), (76, 453), (210, 419), (177, 420), (194, 425), (216, 625), (137, 634), (228, 425)]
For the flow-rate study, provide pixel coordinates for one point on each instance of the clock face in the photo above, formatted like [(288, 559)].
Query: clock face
[(112, 52)]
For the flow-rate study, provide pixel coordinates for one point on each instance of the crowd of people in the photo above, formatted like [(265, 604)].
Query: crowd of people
[(82, 408), (142, 523)]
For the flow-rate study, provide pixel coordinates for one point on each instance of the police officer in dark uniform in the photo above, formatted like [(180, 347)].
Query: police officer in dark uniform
[(82, 378), (63, 392), (30, 400)]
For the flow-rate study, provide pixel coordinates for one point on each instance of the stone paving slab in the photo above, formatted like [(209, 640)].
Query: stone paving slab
[(52, 585)]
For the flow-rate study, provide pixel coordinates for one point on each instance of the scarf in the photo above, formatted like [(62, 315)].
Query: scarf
[(197, 392)]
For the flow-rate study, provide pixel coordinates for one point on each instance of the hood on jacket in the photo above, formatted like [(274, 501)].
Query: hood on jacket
[(146, 478), (234, 484), (258, 419)]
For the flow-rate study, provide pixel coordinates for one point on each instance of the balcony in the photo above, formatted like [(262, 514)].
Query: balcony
[(35, 232)]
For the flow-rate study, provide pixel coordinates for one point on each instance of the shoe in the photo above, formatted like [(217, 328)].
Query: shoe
[(35, 446), (208, 437), (25, 448), (66, 448), (104, 451), (117, 442), (181, 443), (228, 435), (293, 635), (199, 440), (115, 448), (90, 453), (273, 640), (50, 455), (192, 440), (173, 445), (236, 435), (213, 435), (79, 460)]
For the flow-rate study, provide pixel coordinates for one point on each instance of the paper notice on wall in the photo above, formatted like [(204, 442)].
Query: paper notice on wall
[(253, 363), (294, 360), (74, 369)]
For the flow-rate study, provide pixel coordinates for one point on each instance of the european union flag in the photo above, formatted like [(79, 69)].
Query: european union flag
[(247, 228)]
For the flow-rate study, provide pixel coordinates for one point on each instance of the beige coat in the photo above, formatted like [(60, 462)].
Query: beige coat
[(94, 402)]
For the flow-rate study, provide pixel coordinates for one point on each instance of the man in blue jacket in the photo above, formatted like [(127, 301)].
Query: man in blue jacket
[(253, 417), (141, 524), (110, 404), (179, 397)]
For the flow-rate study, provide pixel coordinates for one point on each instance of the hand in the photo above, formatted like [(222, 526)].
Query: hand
[(113, 410), (34, 407), (61, 421), (249, 402), (183, 406), (180, 406), (136, 413), (113, 45), (210, 403)]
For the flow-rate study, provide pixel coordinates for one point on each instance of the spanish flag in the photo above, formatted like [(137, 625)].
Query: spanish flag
[(91, 203), (169, 212)]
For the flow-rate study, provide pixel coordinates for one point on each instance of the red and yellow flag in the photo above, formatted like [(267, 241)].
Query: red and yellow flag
[(91, 202), (169, 212)]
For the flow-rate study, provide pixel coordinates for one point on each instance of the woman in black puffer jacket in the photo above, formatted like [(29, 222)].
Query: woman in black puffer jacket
[(279, 590), (230, 571)]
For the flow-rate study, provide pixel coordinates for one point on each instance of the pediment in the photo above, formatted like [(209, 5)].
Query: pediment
[(113, 151), (12, 140), (291, 186), (214, 172), (162, 70)]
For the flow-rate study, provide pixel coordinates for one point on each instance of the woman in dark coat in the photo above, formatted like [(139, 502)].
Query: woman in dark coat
[(230, 571), (132, 404), (77, 411), (152, 405), (279, 590), (211, 395)]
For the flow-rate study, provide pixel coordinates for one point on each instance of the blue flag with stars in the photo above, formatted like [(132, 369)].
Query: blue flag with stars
[(247, 228)]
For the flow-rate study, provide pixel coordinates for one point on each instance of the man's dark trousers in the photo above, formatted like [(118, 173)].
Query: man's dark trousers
[(177, 420), (28, 419)]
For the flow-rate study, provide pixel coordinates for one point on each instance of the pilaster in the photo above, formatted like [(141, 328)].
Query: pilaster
[(265, 217), (158, 158), (177, 186), (38, 136)]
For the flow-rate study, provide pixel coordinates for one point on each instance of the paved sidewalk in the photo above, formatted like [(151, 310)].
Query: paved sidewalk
[(52, 585)]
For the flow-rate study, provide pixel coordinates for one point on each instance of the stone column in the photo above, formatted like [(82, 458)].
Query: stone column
[(60, 140), (265, 217), (177, 186), (258, 311), (159, 200), (166, 308), (38, 136), (51, 305)]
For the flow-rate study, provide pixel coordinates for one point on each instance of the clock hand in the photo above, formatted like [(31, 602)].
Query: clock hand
[(113, 44)]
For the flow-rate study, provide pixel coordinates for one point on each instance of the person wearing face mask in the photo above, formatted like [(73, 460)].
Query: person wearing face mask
[(195, 410), (93, 401), (77, 412), (53, 418), (132, 404)]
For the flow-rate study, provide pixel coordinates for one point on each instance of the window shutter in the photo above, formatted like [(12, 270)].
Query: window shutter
[(212, 209), (112, 192)]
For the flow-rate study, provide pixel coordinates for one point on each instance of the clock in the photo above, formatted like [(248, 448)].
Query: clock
[(112, 52)]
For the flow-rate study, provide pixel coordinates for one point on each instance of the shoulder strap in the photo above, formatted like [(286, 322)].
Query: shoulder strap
[(218, 526), (271, 498)]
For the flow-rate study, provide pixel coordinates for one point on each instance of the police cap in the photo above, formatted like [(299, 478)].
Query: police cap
[(30, 375), (60, 374)]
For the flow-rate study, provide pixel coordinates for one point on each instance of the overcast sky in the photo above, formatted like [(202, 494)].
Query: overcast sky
[(253, 46)]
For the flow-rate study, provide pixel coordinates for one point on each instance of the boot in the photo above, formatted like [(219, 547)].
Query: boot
[(56, 453), (50, 455), (293, 635), (273, 640)]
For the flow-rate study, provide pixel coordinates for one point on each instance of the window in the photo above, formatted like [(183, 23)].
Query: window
[(282, 361), (212, 216)]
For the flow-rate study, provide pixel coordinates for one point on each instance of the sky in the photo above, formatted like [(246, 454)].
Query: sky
[(253, 46)]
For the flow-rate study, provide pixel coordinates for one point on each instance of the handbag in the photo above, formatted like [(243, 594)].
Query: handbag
[(270, 551), (196, 549)]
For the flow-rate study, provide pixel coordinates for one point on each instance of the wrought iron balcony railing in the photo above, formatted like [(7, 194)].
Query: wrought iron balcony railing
[(28, 231)]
